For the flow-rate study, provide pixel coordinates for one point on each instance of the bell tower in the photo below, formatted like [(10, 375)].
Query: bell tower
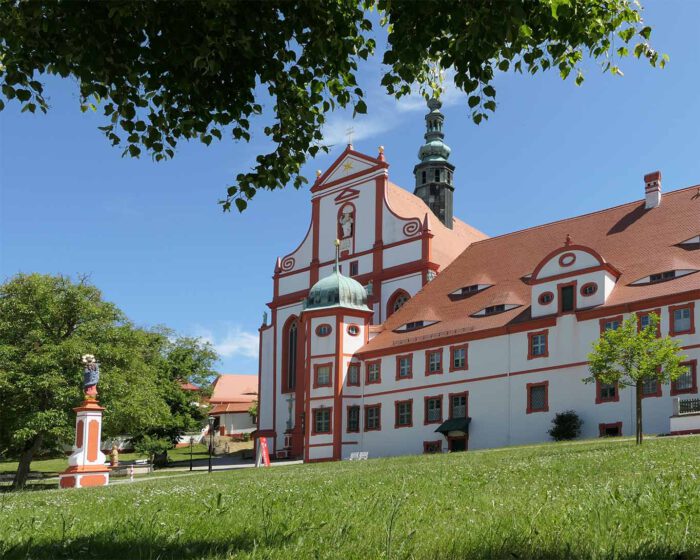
[(434, 174)]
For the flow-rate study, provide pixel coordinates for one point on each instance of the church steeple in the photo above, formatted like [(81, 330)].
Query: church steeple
[(434, 173)]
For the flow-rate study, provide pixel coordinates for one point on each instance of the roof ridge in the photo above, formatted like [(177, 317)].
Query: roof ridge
[(531, 228)]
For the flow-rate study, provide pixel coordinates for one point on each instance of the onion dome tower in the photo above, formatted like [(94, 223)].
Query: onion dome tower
[(434, 173)]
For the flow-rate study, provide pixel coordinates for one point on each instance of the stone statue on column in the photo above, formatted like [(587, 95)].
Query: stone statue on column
[(91, 375)]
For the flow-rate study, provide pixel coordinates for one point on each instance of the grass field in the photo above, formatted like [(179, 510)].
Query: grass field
[(601, 499)]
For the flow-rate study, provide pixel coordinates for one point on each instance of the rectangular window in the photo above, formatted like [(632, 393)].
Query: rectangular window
[(322, 421), (651, 388), (354, 374), (373, 417), (458, 357), (566, 297), (537, 397), (432, 446), (433, 410), (681, 321), (437, 175), (433, 361), (323, 375), (687, 382), (606, 392), (644, 319), (354, 268), (404, 414), (353, 419), (373, 370), (610, 430), (404, 366), (537, 345), (610, 323), (458, 405)]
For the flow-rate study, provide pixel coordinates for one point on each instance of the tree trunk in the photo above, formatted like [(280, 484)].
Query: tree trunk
[(638, 397), (25, 461)]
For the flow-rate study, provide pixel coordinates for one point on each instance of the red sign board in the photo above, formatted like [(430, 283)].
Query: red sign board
[(263, 450)]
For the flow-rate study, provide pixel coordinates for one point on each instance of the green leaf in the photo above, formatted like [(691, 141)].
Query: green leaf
[(134, 151), (473, 101), (361, 107), (241, 204)]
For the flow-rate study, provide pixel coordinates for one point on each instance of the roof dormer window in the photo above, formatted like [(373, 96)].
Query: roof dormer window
[(468, 291), (662, 277), (495, 309), (414, 325)]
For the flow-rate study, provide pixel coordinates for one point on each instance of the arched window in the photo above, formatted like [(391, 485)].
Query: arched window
[(396, 301), (289, 354)]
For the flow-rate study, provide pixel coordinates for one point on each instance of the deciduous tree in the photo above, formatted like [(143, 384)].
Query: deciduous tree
[(163, 72), (630, 357)]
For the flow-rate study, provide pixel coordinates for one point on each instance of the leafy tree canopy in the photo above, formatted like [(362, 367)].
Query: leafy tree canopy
[(46, 324), (629, 356), (163, 73)]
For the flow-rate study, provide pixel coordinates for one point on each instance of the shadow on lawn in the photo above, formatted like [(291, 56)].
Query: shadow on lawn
[(105, 546)]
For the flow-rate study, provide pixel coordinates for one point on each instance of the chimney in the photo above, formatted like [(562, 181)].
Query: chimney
[(652, 189)]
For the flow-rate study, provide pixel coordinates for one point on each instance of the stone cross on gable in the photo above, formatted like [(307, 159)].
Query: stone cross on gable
[(349, 132)]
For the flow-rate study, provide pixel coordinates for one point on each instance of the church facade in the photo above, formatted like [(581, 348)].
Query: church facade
[(417, 333)]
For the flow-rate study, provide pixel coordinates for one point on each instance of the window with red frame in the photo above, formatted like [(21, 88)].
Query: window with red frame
[(607, 392), (537, 345), (404, 414), (610, 430), (354, 268), (651, 388), (353, 419), (688, 381), (433, 410), (354, 374), (458, 357), (434, 362), (644, 319), (458, 405), (610, 324), (404, 366), (537, 397), (432, 446), (323, 375), (373, 417), (322, 421), (681, 320), (374, 372)]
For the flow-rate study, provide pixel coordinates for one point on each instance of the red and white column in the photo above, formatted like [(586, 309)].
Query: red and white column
[(86, 465)]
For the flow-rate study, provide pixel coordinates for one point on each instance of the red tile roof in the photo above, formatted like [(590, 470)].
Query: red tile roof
[(636, 241), (188, 386), (230, 388), (230, 407)]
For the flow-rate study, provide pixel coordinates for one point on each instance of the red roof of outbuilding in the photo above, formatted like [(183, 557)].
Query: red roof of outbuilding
[(635, 241), (230, 387)]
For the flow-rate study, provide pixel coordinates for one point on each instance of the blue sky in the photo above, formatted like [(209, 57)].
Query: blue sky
[(153, 238)]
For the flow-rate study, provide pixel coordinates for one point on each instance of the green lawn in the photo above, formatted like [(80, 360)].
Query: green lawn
[(600, 499)]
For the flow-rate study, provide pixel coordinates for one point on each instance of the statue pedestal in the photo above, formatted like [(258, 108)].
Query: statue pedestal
[(86, 465)]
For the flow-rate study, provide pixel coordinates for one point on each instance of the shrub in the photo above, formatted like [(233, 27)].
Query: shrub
[(566, 425)]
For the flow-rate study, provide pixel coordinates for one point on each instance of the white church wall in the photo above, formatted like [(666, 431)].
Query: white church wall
[(301, 256), (323, 345), (294, 283), (267, 376), (402, 254)]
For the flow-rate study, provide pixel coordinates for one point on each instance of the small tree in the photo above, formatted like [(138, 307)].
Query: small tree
[(253, 410), (630, 357), (565, 425)]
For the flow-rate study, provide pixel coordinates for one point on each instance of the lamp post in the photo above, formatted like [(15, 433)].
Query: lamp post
[(211, 420), (191, 447)]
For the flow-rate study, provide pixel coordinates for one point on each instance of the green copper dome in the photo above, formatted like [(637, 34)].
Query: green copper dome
[(337, 290)]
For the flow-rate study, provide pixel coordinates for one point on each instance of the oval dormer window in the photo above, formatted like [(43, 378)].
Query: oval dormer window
[(495, 309), (545, 298), (589, 289), (353, 330), (662, 277), (323, 330)]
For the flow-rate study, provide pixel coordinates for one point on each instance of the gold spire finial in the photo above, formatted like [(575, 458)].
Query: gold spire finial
[(318, 173)]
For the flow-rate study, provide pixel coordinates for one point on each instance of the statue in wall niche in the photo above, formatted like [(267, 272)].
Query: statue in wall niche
[(91, 375), (346, 222)]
